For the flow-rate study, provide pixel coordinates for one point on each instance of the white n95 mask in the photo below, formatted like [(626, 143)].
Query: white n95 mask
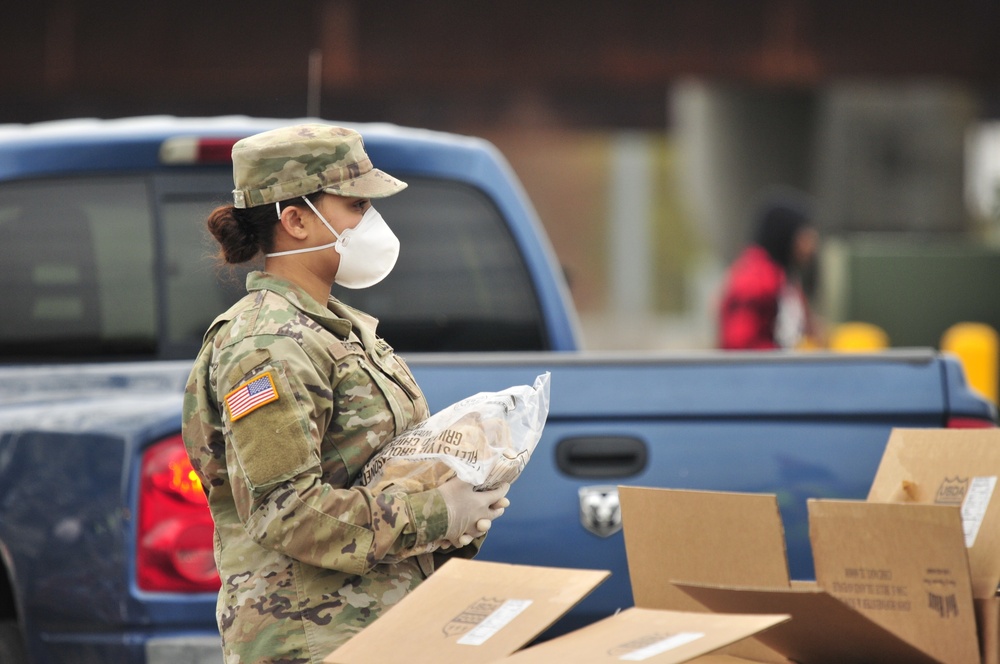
[(368, 252)]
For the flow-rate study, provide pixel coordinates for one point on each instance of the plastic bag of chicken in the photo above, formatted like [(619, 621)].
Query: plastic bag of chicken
[(485, 440)]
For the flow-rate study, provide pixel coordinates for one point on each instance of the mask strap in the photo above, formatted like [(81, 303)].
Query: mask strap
[(308, 249), (321, 218)]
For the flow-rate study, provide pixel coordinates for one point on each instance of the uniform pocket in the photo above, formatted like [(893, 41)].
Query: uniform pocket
[(395, 367), (269, 428)]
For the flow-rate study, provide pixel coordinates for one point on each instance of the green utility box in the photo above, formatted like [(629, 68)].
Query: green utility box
[(913, 288)]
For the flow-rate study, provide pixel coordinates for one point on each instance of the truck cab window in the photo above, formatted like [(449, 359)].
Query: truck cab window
[(77, 259), (105, 267)]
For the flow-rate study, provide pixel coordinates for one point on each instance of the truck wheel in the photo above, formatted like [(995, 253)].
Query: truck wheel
[(11, 646)]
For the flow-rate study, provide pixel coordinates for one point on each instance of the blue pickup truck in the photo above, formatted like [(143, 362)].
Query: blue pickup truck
[(105, 539)]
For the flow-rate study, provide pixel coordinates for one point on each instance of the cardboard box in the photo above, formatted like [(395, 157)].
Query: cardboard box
[(822, 629), (954, 467), (647, 635), (482, 612), (905, 567), (892, 586), (470, 611), (899, 576), (702, 536), (724, 538)]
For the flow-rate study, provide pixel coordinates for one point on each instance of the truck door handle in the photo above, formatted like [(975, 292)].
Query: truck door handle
[(601, 456)]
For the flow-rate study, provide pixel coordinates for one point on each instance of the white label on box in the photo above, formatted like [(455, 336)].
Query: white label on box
[(661, 646), (494, 622), (977, 499)]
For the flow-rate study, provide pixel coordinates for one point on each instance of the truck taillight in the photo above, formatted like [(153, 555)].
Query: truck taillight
[(196, 150), (969, 423), (175, 531)]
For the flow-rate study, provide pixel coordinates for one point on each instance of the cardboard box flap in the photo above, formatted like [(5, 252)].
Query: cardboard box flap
[(905, 567), (647, 635), (823, 630), (701, 536), (469, 611), (950, 467)]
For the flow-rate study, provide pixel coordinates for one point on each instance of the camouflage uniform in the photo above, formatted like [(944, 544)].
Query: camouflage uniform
[(286, 402)]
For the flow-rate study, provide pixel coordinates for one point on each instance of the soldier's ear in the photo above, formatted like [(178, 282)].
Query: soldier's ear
[(291, 222)]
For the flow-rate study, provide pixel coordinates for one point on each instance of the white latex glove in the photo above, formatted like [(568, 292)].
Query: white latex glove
[(471, 512)]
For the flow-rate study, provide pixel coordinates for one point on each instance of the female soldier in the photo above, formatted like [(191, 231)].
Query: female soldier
[(290, 395)]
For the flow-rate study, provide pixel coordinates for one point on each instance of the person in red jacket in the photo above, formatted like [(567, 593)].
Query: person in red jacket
[(764, 305)]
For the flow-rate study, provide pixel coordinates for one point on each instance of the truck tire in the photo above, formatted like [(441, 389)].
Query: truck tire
[(11, 645)]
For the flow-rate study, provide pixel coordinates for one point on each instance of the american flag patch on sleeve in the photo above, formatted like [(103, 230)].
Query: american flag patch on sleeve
[(250, 396)]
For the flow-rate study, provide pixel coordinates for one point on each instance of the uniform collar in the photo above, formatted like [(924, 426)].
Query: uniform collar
[(364, 325), (338, 324)]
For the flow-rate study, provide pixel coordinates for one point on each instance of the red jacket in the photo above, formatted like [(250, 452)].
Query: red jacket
[(750, 301)]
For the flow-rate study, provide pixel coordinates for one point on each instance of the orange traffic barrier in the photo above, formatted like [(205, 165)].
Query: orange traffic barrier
[(976, 346), (857, 337)]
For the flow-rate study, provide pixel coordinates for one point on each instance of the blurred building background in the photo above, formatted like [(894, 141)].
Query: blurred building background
[(643, 130)]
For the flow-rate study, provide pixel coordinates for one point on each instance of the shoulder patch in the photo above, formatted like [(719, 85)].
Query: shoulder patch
[(250, 396)]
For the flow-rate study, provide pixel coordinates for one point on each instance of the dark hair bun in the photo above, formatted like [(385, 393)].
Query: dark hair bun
[(237, 241)]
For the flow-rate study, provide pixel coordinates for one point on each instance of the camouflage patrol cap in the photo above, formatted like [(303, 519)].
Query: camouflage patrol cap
[(302, 159)]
